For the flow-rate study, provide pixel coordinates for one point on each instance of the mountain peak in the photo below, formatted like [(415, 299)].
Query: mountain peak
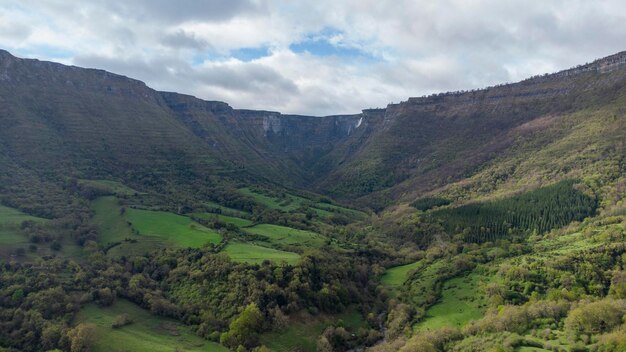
[(5, 55)]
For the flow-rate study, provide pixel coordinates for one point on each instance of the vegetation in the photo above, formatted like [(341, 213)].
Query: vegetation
[(280, 235), (176, 229), (147, 332), (540, 210), (427, 203), (253, 254), (162, 222)]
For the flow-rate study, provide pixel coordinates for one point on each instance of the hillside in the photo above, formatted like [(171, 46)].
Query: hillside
[(488, 220), (399, 152)]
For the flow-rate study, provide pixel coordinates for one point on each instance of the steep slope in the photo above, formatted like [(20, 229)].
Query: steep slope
[(89, 123), (285, 148), (66, 121), (426, 143)]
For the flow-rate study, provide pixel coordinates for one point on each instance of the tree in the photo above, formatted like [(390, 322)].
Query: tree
[(82, 337), (244, 329)]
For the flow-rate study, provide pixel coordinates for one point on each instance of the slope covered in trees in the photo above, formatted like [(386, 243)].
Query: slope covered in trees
[(508, 201), (540, 210)]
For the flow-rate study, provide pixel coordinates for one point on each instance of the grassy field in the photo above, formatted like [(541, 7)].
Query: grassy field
[(147, 333), (302, 333), (356, 214), (111, 186), (14, 216), (397, 275), (226, 210), (288, 203), (461, 300), (224, 218), (172, 228), (10, 220), (253, 254), (287, 236), (113, 226), (10, 236)]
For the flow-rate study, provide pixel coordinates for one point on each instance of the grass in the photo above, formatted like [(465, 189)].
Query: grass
[(111, 186), (176, 229), (114, 228), (224, 218), (10, 220), (397, 275), (287, 236), (253, 254), (288, 203), (226, 210), (147, 333), (12, 239), (14, 216), (461, 300), (531, 349), (302, 334), (341, 210)]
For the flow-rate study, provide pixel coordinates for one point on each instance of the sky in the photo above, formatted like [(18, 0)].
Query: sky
[(317, 57)]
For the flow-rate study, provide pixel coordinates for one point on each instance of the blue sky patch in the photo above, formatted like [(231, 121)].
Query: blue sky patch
[(249, 54), (45, 51), (327, 42)]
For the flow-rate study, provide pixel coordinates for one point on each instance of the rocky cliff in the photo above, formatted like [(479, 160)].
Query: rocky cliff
[(91, 123)]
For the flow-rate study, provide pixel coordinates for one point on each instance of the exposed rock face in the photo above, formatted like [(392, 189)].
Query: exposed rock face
[(65, 117)]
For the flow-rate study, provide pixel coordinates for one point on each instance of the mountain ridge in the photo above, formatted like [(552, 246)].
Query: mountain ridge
[(374, 157)]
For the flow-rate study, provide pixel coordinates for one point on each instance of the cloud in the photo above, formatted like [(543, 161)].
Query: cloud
[(316, 57), (183, 10), (182, 39)]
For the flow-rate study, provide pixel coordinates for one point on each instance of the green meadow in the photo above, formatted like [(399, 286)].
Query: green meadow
[(397, 275), (177, 229), (146, 333), (114, 229), (226, 210), (337, 209), (108, 217), (288, 203), (461, 300), (10, 236), (10, 216), (282, 235), (224, 218), (253, 254), (302, 333)]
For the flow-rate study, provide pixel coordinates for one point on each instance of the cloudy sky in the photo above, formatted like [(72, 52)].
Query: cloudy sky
[(315, 57)]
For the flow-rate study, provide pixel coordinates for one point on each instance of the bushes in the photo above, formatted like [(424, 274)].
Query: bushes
[(596, 317), (518, 318), (431, 340), (121, 320), (244, 330), (427, 203)]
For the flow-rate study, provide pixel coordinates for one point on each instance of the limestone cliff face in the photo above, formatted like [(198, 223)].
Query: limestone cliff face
[(267, 140), (92, 122), (424, 142)]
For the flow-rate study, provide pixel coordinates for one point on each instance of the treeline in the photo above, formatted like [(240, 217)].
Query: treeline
[(540, 210), (427, 203)]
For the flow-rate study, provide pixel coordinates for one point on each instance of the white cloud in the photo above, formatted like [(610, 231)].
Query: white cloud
[(412, 47)]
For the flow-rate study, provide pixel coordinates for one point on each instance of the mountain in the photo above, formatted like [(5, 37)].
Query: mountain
[(58, 118), (425, 143), (492, 219)]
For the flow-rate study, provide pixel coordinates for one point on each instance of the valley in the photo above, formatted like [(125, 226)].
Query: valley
[(138, 220)]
